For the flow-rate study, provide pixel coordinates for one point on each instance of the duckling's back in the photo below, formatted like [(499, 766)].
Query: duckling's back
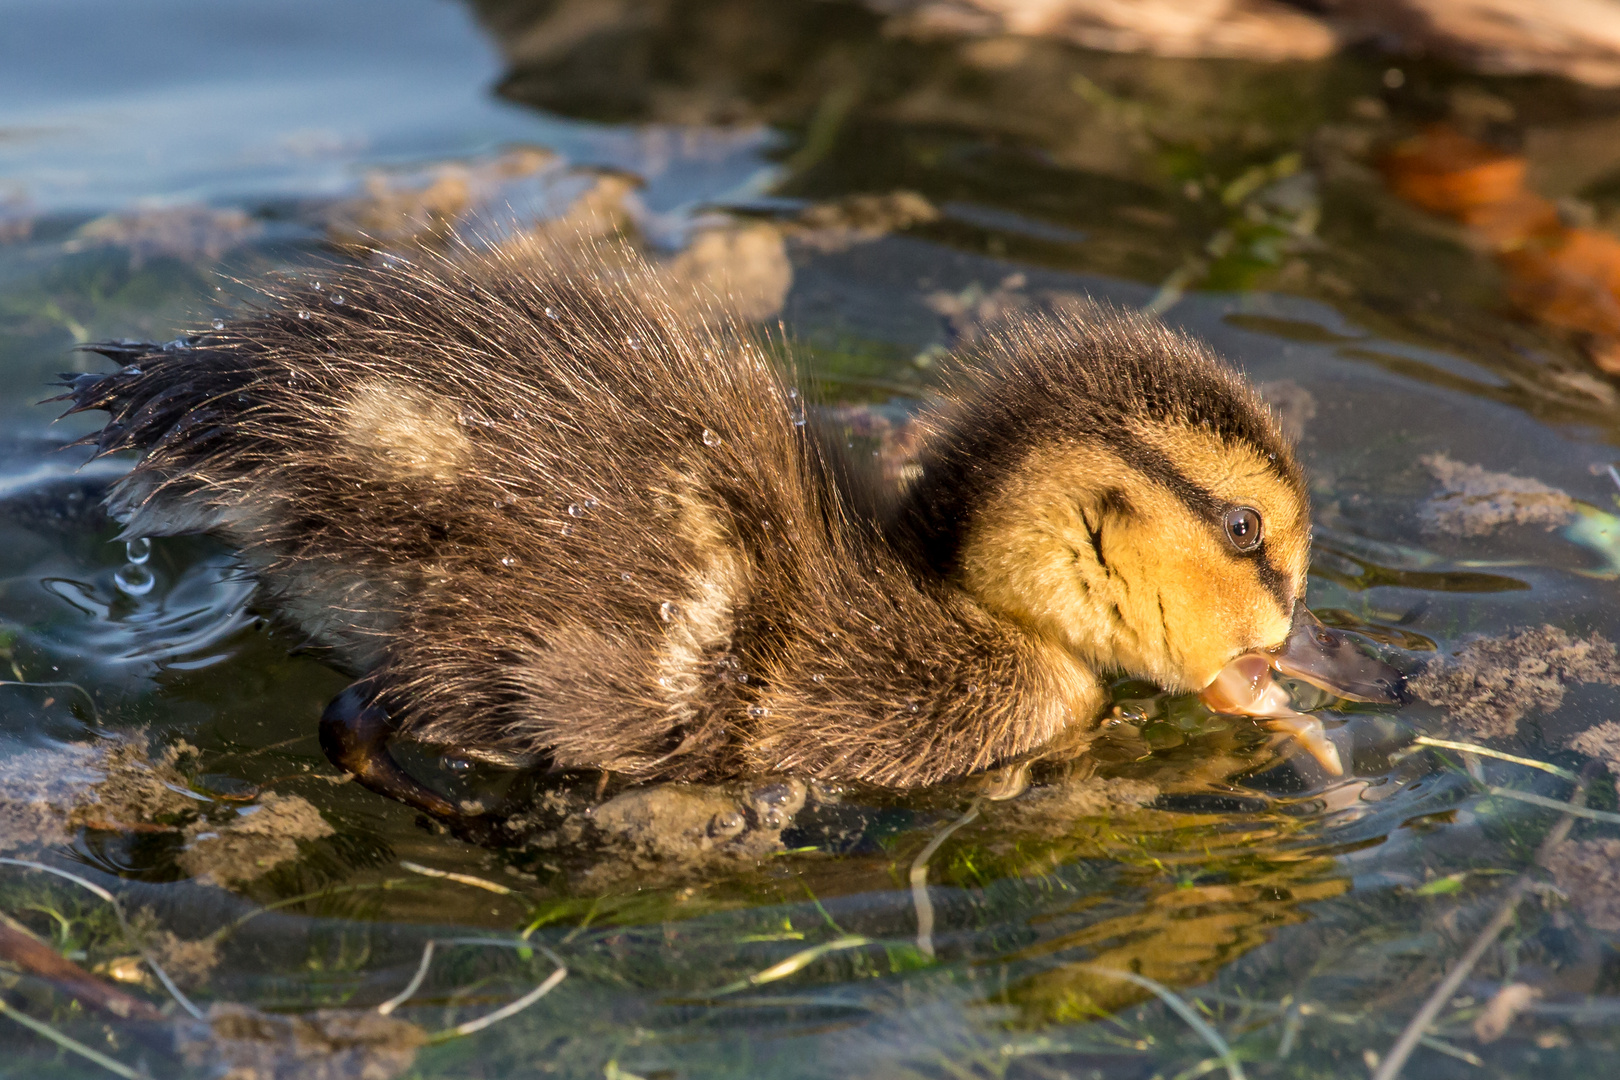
[(549, 513)]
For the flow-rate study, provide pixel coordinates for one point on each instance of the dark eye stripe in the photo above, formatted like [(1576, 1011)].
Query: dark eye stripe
[(1152, 463)]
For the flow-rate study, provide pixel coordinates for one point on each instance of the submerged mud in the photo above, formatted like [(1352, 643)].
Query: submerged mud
[(248, 842), (1492, 683), (242, 1043), (1588, 872), (1474, 502)]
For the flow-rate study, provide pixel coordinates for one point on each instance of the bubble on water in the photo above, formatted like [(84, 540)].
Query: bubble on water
[(219, 324), (339, 298), (507, 560), (577, 509), (634, 343), (138, 550), (758, 711), (133, 579), (627, 576), (302, 314), (317, 286), (568, 530), (818, 678), (710, 438), (551, 313), (669, 611)]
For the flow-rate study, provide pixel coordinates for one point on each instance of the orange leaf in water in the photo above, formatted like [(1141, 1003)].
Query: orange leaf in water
[(1448, 173), (1570, 281)]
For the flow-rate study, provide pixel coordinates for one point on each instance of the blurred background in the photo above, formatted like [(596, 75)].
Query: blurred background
[(1400, 217)]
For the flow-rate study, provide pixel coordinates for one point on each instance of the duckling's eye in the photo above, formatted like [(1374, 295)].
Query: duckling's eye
[(1243, 528)]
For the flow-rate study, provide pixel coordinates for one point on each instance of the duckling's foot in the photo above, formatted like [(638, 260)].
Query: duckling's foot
[(355, 731)]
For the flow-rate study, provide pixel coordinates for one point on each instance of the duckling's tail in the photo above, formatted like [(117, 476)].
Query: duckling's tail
[(143, 406)]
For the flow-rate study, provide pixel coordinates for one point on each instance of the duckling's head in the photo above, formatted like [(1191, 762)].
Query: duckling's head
[(1112, 486)]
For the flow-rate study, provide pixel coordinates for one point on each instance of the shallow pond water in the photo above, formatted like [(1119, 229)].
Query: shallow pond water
[(1195, 898)]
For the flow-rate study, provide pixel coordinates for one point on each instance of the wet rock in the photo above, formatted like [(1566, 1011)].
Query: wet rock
[(423, 208), (254, 841), (1588, 871), (1578, 39), (1249, 29), (1490, 684), (972, 311), (240, 1043), (1053, 808), (1474, 502), (671, 831), (744, 267), (771, 806), (189, 233), (859, 219), (1292, 404), (39, 788)]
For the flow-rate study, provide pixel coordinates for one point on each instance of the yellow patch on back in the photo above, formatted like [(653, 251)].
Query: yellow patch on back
[(702, 619), (406, 432)]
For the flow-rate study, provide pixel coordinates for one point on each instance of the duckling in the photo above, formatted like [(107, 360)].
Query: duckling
[(547, 511)]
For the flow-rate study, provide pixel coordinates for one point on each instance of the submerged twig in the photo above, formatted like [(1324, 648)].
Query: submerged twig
[(1485, 751), (512, 1008), (411, 987), (1178, 1005), (1553, 804), (1418, 1027), (797, 962), (460, 879), (919, 881), (123, 924), (35, 957), (38, 1027)]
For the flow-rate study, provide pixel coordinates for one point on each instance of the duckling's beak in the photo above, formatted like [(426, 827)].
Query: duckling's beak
[(1320, 656), (1329, 659)]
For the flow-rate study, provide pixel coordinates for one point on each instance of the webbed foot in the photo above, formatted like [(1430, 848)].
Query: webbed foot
[(355, 732)]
